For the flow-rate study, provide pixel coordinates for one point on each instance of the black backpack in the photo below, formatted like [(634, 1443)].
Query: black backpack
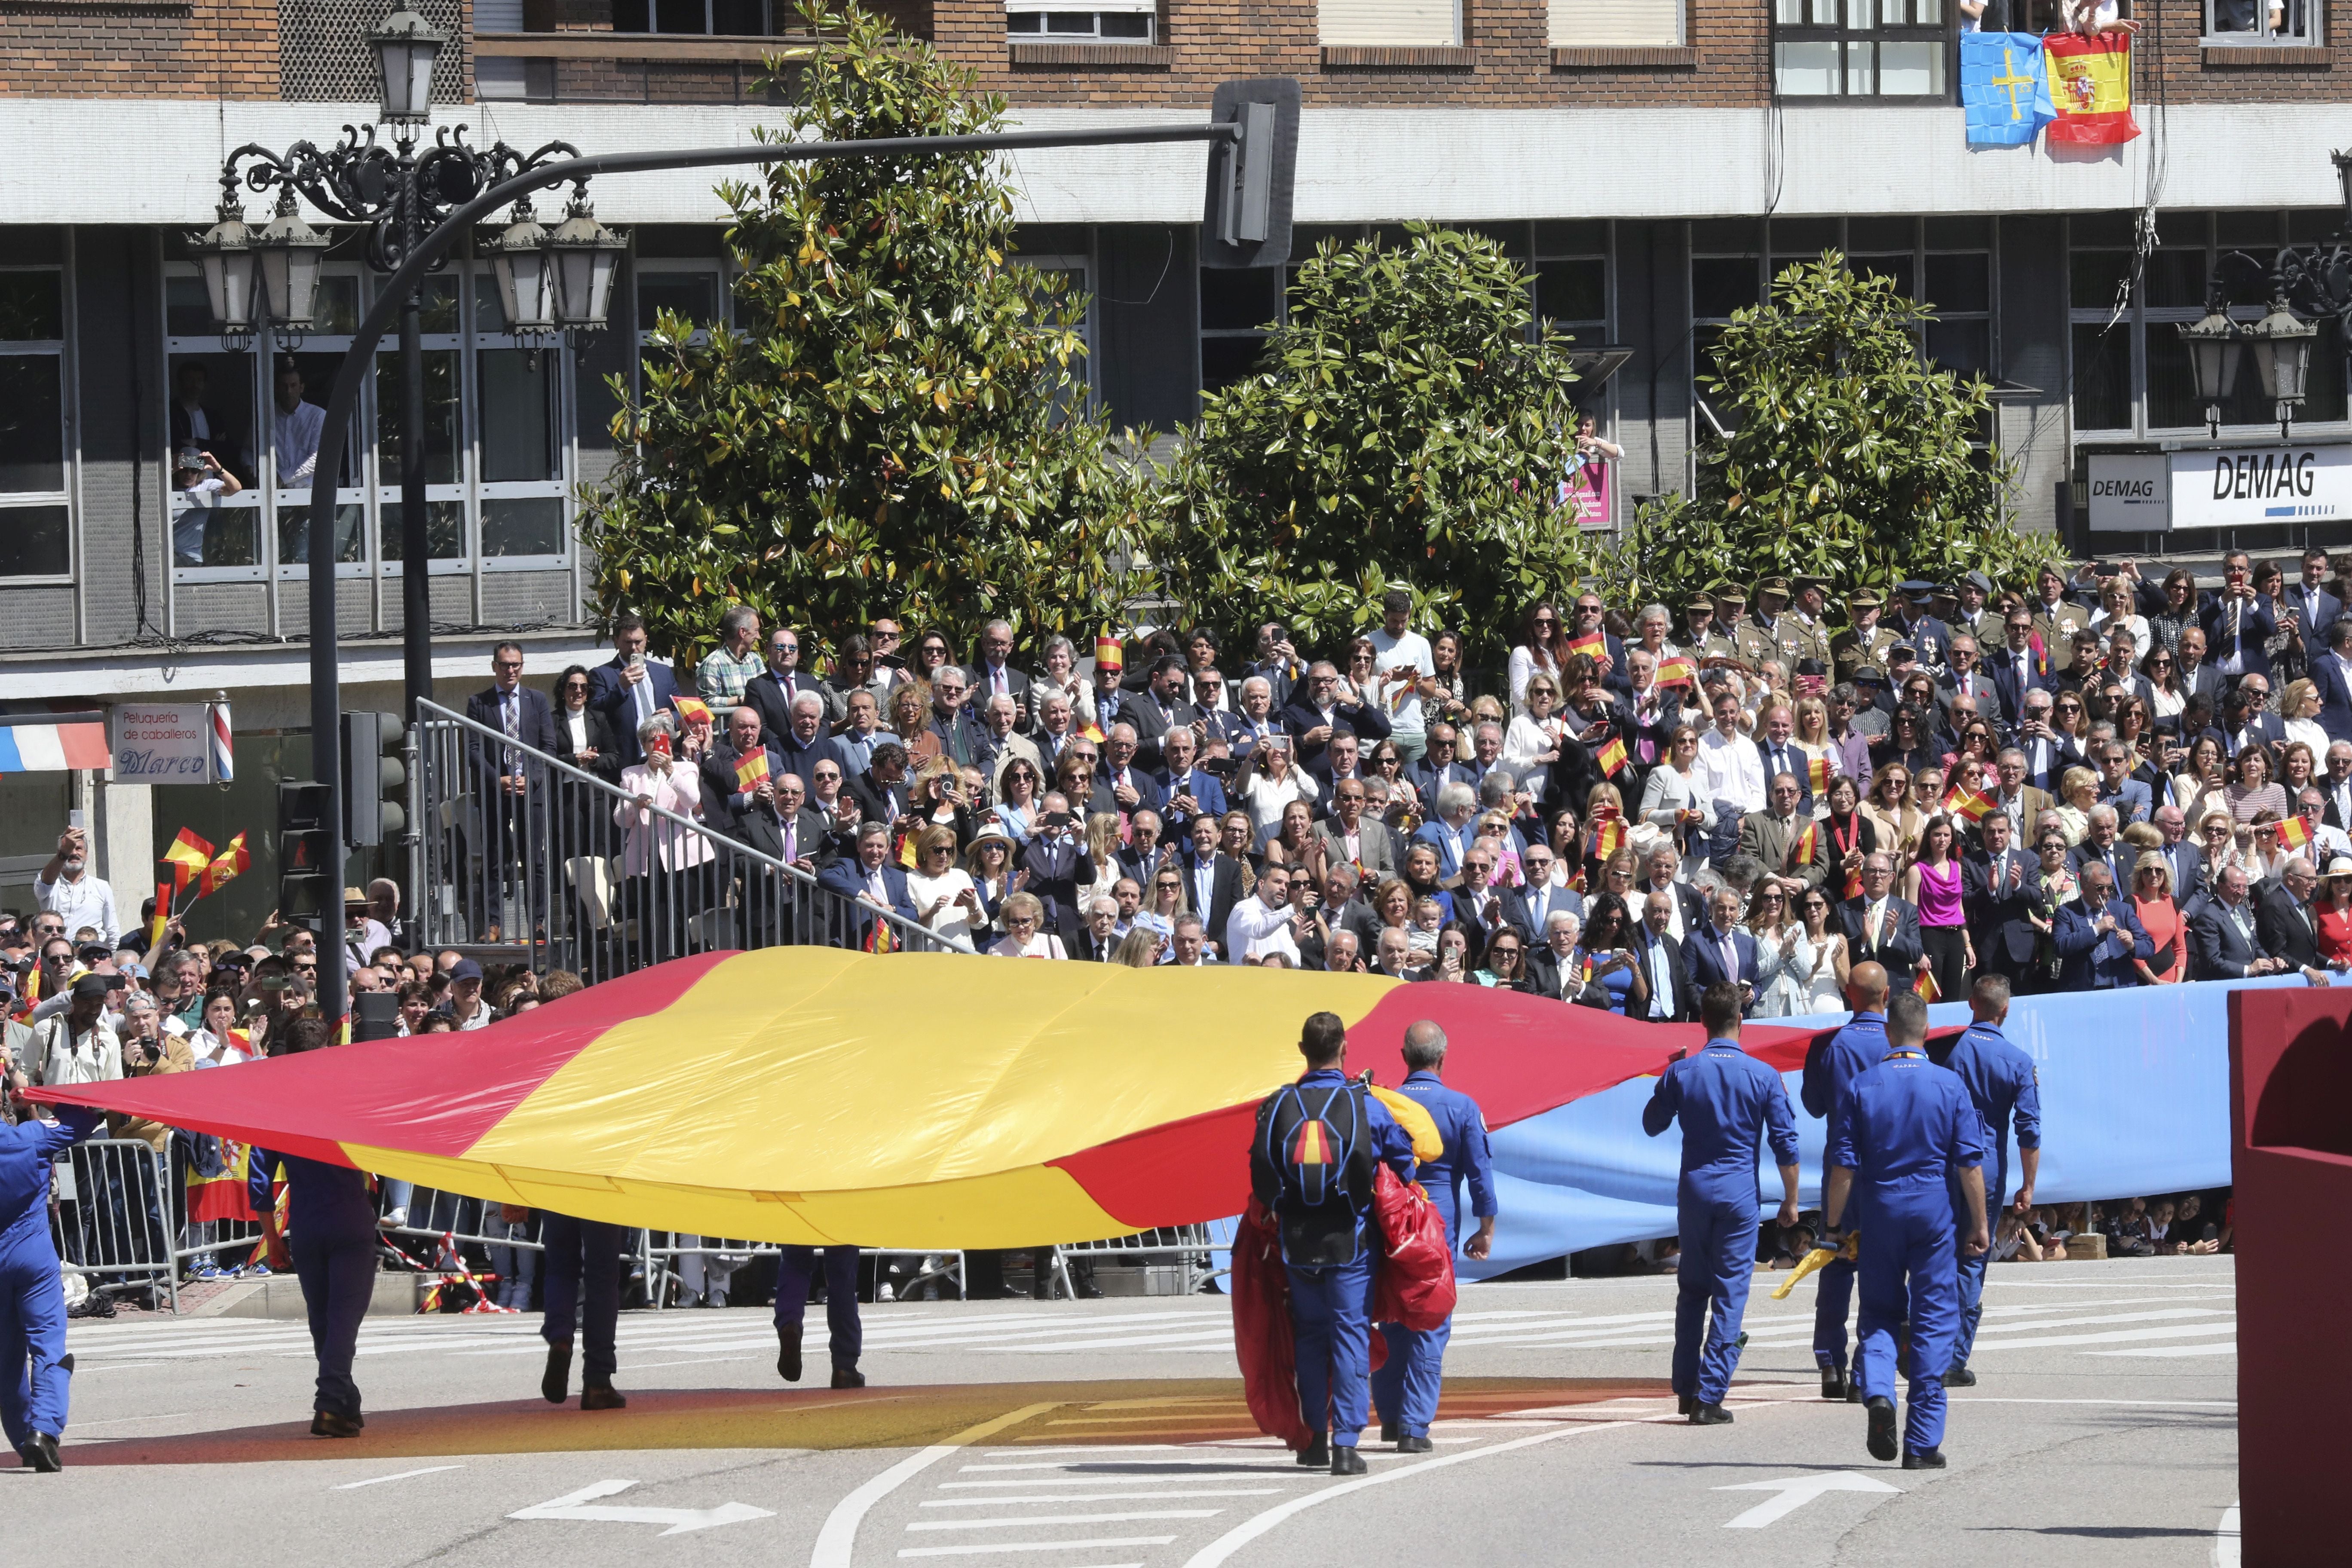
[(1316, 1141)]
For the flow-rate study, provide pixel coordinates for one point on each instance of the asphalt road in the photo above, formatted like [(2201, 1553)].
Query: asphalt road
[(1080, 1434)]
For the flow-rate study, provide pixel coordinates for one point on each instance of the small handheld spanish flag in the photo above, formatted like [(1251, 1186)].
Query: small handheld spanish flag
[(1817, 775), (2292, 833), (1925, 986), (880, 937), (1607, 838), (1612, 756), (1808, 847), (1968, 804), (751, 770), (1677, 672), (163, 915), (1593, 645), (226, 867), (188, 856), (693, 708), (1090, 730)]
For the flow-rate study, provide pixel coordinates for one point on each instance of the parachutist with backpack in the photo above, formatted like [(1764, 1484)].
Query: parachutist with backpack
[(1312, 1160)]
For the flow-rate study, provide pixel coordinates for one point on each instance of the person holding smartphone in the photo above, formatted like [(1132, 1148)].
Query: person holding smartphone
[(631, 687)]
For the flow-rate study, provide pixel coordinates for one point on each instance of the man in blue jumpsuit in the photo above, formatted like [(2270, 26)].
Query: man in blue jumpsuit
[(582, 1263), (36, 1373), (1311, 1162), (1898, 1134), (794, 1271), (330, 1221), (1852, 1051), (1404, 1390), (1728, 1103), (2001, 1080)]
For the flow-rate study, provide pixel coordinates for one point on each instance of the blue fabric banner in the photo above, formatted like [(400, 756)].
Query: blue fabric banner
[(2005, 88), (2135, 1101)]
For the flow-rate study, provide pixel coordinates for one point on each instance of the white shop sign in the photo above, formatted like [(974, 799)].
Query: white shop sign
[(2241, 487), (2130, 491), (162, 742)]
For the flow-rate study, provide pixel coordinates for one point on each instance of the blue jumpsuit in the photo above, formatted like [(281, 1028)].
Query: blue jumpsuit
[(1851, 1052), (1331, 1305), (34, 1381), (330, 1226), (1727, 1102), (1904, 1128), (795, 1268), (582, 1260), (1405, 1388), (2002, 1082)]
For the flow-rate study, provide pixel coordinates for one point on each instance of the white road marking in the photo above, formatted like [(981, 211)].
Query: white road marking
[(698, 1361), (1796, 1491), (581, 1505), (2226, 1541), (1085, 1497), (401, 1476), (2161, 1403), (2227, 1347), (2160, 1315), (1000, 1546), (121, 1420), (1026, 1521), (2121, 1336), (837, 1540)]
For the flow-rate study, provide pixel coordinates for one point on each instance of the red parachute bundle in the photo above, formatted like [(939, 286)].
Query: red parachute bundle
[(1415, 1285)]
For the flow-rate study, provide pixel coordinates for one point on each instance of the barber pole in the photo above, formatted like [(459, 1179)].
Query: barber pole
[(224, 746)]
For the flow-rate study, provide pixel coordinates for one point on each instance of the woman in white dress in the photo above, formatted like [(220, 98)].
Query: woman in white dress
[(1813, 964), (1531, 744), (942, 891), (1272, 783)]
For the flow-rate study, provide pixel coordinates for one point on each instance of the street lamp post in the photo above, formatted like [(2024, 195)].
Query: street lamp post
[(2303, 281)]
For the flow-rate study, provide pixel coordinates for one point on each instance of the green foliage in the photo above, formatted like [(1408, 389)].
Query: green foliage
[(888, 431), (1849, 458), (1401, 429)]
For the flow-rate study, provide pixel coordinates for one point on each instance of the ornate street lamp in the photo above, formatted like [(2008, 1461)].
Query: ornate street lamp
[(225, 255), (585, 256), (2215, 346), (292, 252), (526, 283), (405, 47), (2281, 346)]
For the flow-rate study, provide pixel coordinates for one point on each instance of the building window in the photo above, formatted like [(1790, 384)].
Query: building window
[(731, 18), (1395, 22), (1067, 275), (1861, 48), (2128, 367), (1121, 22), (495, 438), (1616, 24), (1240, 309), (36, 503), (2237, 23)]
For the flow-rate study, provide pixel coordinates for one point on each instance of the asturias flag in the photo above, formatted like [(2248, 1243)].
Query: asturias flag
[(2090, 87), (2004, 89)]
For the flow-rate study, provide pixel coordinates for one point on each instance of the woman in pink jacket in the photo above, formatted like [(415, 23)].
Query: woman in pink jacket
[(667, 866)]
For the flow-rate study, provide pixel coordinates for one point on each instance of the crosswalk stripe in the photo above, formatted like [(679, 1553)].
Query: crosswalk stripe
[(997, 1546), (1001, 1501), (2121, 1336), (1030, 1522), (2036, 1324), (2226, 1347)]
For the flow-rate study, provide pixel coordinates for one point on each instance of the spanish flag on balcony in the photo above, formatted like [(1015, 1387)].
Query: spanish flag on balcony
[(2090, 87)]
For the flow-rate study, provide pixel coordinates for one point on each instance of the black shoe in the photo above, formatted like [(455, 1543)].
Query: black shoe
[(1854, 1388), (1391, 1431), (1925, 1459), (1315, 1455), (1960, 1377), (1348, 1462), (1881, 1427), (1412, 1446), (1089, 1291), (788, 1351), (1686, 1403), (40, 1452), (1705, 1415), (602, 1396), (556, 1383), (1833, 1383), (848, 1377), (330, 1424)]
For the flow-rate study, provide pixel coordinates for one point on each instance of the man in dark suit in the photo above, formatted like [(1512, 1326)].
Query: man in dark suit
[(1131, 783), (1316, 709), (802, 743), (992, 676), (1998, 891), (2224, 940), (1531, 905), (2243, 721), (1776, 743), (1666, 969), (1880, 928), (866, 885), (1477, 898), (2283, 919), (2336, 786), (2017, 800), (2331, 671), (1966, 678), (1159, 707), (880, 791), (2047, 751), (1213, 883), (2017, 669), (1721, 949), (950, 720), (2238, 621), (722, 784), (510, 782), (2098, 938), (773, 690), (1589, 617), (1058, 865), (2103, 848), (631, 688), (1438, 766), (1659, 869), (1186, 791), (2196, 675)]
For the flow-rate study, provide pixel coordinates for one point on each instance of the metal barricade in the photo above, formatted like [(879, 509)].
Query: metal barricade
[(520, 853), (112, 1220), (666, 1254), (1188, 1252)]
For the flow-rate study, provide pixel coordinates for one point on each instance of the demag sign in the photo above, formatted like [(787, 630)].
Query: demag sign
[(2236, 486)]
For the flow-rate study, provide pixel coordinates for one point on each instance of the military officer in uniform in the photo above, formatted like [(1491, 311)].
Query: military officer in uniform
[(2056, 618), (1751, 638), (1404, 1390), (1930, 638), (1698, 624), (1829, 1068), (1771, 622), (1710, 640), (1899, 1136), (1727, 1102), (2001, 1080), (1864, 641), (1809, 636)]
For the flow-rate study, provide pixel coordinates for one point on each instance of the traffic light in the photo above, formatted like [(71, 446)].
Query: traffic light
[(375, 778), (1246, 219), (309, 886)]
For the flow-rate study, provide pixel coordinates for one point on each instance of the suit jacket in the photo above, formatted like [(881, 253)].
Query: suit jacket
[(1799, 764), (610, 695), (762, 828), (1978, 685), (1997, 913), (2267, 728), (1147, 788), (1205, 788), (2117, 858), (1703, 957), (1769, 839), (1225, 892), (2031, 803), (720, 790), (1683, 1006), (1693, 903), (2204, 681), (535, 728), (2315, 627), (788, 756), (770, 698), (1519, 909), (1141, 708), (876, 801), (983, 687), (2256, 628), (2090, 960), (2056, 757), (1376, 846), (1364, 718), (607, 765), (846, 882), (2218, 949), (1898, 947), (2002, 667), (2327, 673), (2285, 926), (1057, 870)]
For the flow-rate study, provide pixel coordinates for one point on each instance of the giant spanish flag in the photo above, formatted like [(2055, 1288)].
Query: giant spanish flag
[(2090, 87), (765, 1095)]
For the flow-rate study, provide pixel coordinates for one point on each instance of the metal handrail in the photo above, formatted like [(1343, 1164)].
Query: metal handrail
[(430, 711)]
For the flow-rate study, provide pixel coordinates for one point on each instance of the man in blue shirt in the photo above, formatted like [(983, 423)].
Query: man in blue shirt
[(1728, 1103), (1404, 1390), (35, 1374), (1899, 1136), (1829, 1068), (2001, 1080), (1311, 1162)]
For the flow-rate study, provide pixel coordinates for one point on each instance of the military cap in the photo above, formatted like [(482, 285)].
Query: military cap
[(1864, 599), (1731, 592), (1701, 600), (1980, 582), (1772, 586), (1807, 580), (1918, 588)]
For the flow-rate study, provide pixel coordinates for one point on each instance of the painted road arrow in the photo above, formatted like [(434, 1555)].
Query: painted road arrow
[(1796, 1491), (574, 1505)]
